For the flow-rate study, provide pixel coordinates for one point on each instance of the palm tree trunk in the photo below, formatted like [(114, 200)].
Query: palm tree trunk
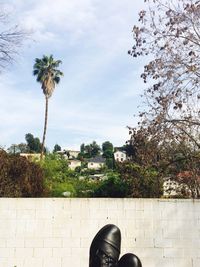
[(45, 127)]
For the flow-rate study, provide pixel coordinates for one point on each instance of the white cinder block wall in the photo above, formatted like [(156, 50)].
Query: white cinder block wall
[(58, 232)]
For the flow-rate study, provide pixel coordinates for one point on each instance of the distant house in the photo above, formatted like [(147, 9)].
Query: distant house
[(120, 156), (73, 163), (72, 153), (170, 187), (96, 163), (69, 154)]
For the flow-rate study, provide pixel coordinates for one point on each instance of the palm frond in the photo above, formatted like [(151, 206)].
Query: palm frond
[(56, 79), (35, 72), (47, 73)]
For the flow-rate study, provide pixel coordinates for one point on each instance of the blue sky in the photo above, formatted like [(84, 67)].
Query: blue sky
[(99, 93)]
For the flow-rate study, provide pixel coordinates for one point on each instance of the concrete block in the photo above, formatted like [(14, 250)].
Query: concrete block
[(26, 214), (173, 253), (196, 262), (4, 262), (3, 242), (61, 232), (144, 243), (157, 262), (183, 262), (32, 262), (8, 214), (85, 243), (52, 262), (146, 224), (61, 252), (52, 242), (42, 253), (100, 214), (72, 261), (15, 242), (34, 243), (72, 242), (191, 252), (156, 253), (23, 252), (18, 262), (164, 243), (130, 204), (7, 253)]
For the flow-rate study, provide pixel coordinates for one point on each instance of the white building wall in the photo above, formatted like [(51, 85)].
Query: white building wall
[(120, 156), (58, 232), (95, 165), (73, 164)]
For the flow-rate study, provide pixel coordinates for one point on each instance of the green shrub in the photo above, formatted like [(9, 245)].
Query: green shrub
[(142, 182), (58, 189), (113, 186), (55, 167), (19, 177), (85, 187)]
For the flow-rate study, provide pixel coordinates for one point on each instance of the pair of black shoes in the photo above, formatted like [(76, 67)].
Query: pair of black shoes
[(105, 250)]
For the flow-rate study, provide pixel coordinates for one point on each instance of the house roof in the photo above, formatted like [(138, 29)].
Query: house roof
[(97, 160), (74, 160), (70, 150), (120, 151)]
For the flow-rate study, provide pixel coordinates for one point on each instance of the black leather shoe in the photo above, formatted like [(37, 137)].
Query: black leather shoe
[(105, 247), (129, 260)]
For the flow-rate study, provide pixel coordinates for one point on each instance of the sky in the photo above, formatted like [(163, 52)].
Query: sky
[(99, 93)]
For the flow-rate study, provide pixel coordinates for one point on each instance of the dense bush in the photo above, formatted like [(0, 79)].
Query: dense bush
[(55, 168), (19, 177), (60, 179), (59, 188), (113, 186), (142, 182), (85, 187)]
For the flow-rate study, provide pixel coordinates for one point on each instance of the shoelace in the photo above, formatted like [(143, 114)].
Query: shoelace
[(106, 260)]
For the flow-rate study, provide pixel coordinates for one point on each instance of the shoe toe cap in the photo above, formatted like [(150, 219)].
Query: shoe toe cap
[(129, 260), (108, 239)]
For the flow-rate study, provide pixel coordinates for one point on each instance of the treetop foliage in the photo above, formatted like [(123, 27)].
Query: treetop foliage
[(56, 148), (33, 143), (47, 73)]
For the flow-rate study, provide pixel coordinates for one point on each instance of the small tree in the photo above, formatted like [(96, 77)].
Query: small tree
[(18, 148), (107, 148), (90, 150), (33, 143), (56, 148)]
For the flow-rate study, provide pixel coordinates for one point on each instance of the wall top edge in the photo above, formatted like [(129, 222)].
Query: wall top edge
[(103, 199)]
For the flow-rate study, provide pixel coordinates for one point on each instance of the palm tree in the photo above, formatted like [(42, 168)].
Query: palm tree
[(48, 75)]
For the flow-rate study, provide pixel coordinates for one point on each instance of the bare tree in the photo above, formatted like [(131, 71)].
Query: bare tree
[(168, 35), (11, 38)]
